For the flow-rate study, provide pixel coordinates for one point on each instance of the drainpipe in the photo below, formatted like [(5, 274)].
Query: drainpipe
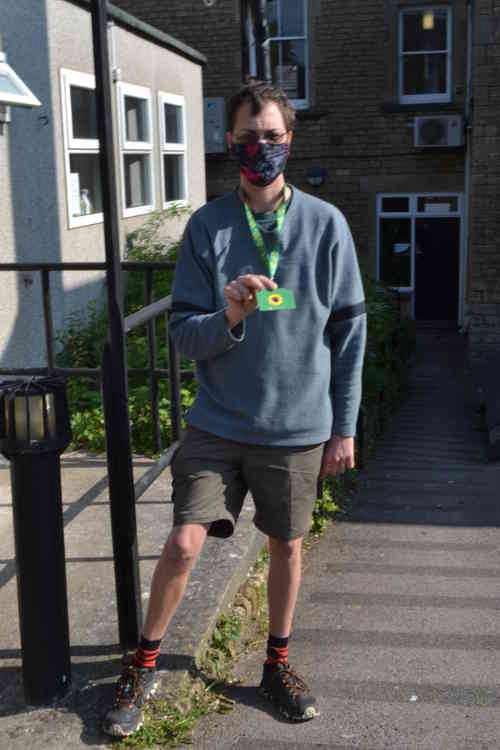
[(468, 166)]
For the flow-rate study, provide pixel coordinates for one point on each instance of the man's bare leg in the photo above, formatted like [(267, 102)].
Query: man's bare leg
[(171, 575), (280, 683), (283, 584)]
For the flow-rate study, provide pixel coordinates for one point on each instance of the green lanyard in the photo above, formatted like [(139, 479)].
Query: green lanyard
[(270, 260)]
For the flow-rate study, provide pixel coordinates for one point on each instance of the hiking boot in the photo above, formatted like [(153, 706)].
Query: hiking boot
[(288, 692), (135, 685)]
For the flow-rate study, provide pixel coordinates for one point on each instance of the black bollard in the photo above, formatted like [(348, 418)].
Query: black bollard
[(34, 431)]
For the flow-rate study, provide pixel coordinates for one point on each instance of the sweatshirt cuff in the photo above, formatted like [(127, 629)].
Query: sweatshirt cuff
[(238, 333)]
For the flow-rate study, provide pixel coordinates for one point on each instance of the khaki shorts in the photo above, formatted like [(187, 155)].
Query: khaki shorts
[(211, 477)]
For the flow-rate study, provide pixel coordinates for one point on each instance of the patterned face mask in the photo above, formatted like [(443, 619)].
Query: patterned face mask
[(261, 163)]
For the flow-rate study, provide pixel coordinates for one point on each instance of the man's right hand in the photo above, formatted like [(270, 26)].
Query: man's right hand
[(241, 295)]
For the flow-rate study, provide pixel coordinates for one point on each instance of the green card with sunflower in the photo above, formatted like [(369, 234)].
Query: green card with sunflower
[(278, 299)]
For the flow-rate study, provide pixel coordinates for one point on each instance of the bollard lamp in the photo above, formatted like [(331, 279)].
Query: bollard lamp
[(34, 416), (34, 431)]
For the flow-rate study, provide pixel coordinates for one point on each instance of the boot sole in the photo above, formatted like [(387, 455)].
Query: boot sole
[(311, 712)]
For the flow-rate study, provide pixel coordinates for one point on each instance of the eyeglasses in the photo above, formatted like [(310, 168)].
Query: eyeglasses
[(254, 136)]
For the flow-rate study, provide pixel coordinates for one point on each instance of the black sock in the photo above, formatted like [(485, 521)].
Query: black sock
[(277, 650)]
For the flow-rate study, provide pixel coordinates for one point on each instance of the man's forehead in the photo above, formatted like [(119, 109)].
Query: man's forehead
[(270, 116)]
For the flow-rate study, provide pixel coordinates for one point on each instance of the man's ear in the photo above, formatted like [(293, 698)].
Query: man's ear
[(290, 137), (229, 139)]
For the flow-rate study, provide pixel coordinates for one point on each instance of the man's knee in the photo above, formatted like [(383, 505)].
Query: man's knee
[(184, 544), (285, 548)]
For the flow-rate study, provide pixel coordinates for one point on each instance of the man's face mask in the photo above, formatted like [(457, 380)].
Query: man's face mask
[(261, 163)]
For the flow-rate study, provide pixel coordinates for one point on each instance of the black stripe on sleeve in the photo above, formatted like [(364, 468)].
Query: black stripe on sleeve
[(182, 307), (348, 312)]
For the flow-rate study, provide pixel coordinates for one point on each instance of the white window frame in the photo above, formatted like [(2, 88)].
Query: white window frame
[(297, 103), (176, 149), (412, 214), (135, 147), (426, 98), (74, 145)]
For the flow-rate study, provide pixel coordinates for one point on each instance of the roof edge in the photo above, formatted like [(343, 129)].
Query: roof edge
[(147, 31)]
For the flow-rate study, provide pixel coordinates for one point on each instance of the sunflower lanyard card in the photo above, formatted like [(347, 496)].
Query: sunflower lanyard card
[(277, 299)]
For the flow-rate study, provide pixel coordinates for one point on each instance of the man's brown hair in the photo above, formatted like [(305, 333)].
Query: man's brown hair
[(258, 94)]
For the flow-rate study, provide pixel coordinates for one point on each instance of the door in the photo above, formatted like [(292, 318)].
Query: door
[(437, 268)]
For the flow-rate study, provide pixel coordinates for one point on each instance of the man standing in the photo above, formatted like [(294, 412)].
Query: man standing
[(268, 300)]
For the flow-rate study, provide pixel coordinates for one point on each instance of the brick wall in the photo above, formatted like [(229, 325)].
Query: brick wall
[(355, 126), (484, 260)]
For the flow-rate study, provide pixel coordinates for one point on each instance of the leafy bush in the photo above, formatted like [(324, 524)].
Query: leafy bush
[(82, 340)]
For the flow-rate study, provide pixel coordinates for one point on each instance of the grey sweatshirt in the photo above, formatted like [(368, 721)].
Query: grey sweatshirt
[(288, 377)]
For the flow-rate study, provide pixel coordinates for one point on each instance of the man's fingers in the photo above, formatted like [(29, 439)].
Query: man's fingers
[(256, 282)]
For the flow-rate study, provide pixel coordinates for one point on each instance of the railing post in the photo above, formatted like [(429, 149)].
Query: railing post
[(155, 417), (120, 472), (123, 519), (174, 388), (47, 317)]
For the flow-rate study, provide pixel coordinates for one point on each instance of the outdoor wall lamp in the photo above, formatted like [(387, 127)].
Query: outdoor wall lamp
[(13, 90), (34, 431), (316, 176)]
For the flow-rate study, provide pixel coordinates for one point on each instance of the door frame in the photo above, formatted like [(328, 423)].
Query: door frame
[(414, 214)]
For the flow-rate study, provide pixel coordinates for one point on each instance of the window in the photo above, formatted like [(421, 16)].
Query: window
[(425, 55), (282, 54), (136, 140), (81, 146), (173, 143)]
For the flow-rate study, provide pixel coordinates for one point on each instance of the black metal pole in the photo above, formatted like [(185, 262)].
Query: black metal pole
[(41, 576), (120, 472)]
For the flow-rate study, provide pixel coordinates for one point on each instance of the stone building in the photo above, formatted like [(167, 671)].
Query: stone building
[(50, 194), (398, 105)]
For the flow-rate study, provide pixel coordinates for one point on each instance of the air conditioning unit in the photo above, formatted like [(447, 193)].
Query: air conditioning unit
[(215, 125), (439, 131)]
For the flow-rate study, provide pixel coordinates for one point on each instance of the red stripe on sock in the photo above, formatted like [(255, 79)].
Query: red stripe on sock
[(277, 656), (146, 658)]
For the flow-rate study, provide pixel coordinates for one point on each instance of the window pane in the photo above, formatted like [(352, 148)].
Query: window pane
[(85, 184), (83, 112), (438, 204), (292, 18), (433, 37), (288, 67), (175, 189), (271, 18), (137, 119), (395, 252), (174, 128), (399, 205), (137, 168), (424, 74)]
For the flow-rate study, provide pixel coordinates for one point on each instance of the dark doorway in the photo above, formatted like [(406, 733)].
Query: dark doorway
[(437, 263)]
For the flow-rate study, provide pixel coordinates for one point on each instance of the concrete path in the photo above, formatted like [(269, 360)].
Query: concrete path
[(398, 625), (74, 723)]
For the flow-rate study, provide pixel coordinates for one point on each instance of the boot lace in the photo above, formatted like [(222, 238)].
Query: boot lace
[(128, 687), (294, 684)]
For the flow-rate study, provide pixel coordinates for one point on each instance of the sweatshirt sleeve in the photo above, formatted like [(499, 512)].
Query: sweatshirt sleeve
[(199, 330), (347, 328)]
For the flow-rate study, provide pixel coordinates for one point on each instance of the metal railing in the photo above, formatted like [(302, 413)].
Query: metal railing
[(144, 317)]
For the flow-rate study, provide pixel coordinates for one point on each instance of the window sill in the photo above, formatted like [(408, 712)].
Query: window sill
[(128, 213), (393, 107), (311, 114), (85, 220)]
